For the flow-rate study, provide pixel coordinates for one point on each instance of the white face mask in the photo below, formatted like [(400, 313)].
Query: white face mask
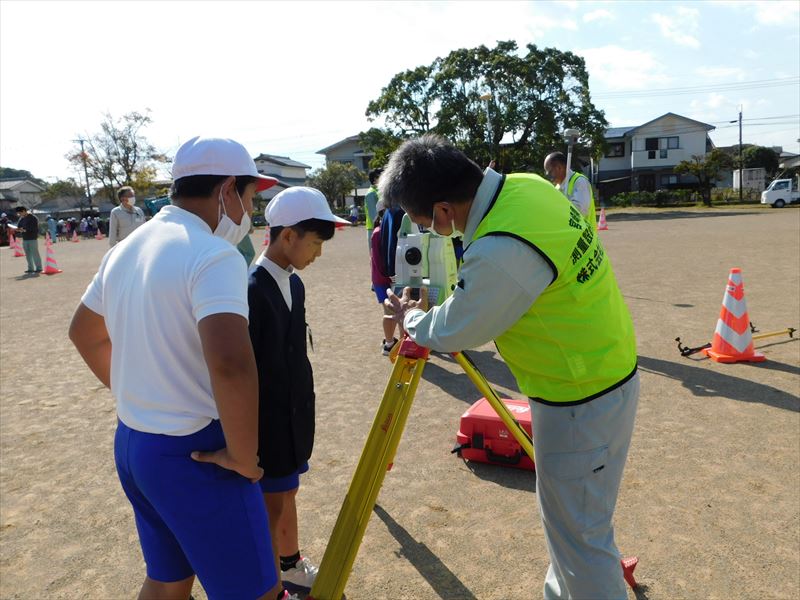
[(454, 233), (132, 200), (227, 229)]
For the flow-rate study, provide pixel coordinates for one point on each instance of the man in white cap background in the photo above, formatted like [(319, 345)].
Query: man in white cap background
[(164, 325), (300, 221)]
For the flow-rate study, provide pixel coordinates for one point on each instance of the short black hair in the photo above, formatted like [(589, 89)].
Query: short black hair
[(124, 190), (427, 170), (557, 157), (21, 209), (374, 175), (202, 186), (324, 229)]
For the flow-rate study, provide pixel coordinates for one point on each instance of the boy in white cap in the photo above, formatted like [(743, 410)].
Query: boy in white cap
[(300, 222), (164, 325)]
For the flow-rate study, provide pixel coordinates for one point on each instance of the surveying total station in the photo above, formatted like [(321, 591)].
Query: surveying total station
[(424, 260)]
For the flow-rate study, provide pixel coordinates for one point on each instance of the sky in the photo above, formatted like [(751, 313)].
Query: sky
[(290, 78)]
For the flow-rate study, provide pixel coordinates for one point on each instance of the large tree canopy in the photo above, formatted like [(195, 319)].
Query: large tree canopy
[(476, 97)]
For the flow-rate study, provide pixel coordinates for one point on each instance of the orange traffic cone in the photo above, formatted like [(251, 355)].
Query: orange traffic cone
[(51, 267), (733, 341), (75, 236), (98, 235), (266, 237), (602, 225), (15, 246)]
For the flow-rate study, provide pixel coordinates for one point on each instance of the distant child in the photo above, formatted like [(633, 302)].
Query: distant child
[(381, 280), (300, 222)]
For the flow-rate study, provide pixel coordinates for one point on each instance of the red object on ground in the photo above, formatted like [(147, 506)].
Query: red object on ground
[(628, 565), (483, 437)]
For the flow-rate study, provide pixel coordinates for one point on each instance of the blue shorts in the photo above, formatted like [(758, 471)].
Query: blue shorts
[(380, 292), (195, 518), (274, 485)]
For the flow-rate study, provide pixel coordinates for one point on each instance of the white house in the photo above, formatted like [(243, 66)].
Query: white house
[(348, 151), (643, 157), (19, 191), (288, 172)]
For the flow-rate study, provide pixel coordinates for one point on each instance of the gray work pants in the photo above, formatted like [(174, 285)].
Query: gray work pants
[(31, 249), (580, 455)]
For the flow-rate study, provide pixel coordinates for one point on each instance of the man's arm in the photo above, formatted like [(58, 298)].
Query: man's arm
[(581, 195), (113, 234), (500, 278), (89, 335), (234, 381)]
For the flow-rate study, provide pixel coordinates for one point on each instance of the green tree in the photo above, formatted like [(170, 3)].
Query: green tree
[(119, 154), (707, 169), (62, 188), (754, 157), (533, 95), (335, 181), (380, 141), (9, 173)]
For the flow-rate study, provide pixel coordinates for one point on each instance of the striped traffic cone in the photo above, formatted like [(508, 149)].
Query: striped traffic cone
[(98, 235), (602, 225), (75, 236), (51, 267), (15, 246), (733, 341), (266, 237)]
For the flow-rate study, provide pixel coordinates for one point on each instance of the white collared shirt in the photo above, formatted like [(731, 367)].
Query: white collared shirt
[(280, 275)]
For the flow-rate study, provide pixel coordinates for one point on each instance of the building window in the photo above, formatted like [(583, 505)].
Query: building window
[(651, 154), (669, 180), (662, 153), (672, 143), (615, 150), (651, 144)]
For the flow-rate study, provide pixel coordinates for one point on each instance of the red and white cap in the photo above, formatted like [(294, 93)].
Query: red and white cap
[(296, 204), (217, 156)]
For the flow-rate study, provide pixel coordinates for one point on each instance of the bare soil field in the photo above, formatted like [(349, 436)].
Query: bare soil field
[(710, 501)]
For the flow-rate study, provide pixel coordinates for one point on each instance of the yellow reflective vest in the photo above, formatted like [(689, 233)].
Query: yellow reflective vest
[(576, 341), (591, 216)]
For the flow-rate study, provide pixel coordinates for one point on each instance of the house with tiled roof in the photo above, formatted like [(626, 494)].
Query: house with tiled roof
[(14, 192), (288, 172)]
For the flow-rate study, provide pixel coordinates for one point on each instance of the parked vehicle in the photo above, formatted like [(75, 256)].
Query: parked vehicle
[(780, 193)]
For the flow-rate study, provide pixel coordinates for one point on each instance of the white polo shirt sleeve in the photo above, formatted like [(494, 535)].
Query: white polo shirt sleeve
[(93, 296), (219, 285)]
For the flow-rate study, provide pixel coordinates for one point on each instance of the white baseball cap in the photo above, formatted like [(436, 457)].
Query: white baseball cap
[(296, 204), (217, 156)]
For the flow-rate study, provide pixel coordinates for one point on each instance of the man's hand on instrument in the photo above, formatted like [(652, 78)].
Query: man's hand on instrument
[(398, 306)]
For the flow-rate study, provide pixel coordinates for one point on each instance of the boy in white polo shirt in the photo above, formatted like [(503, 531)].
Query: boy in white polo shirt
[(164, 325), (300, 222)]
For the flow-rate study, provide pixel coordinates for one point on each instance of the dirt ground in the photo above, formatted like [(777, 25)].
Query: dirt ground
[(710, 502)]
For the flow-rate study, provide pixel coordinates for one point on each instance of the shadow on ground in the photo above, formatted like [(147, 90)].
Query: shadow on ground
[(677, 214), (516, 479), (459, 385), (441, 579), (706, 383)]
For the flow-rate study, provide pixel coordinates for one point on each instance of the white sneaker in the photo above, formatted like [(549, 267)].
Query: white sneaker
[(302, 575), (386, 347), (288, 596)]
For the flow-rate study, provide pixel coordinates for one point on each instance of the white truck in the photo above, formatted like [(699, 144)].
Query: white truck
[(781, 192)]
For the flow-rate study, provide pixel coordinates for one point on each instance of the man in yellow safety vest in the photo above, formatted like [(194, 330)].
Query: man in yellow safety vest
[(575, 186), (536, 280)]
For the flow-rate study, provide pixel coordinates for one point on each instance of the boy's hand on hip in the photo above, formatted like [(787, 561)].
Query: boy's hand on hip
[(221, 458)]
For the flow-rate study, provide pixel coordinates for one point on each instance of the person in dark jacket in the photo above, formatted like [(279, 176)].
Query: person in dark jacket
[(300, 222)]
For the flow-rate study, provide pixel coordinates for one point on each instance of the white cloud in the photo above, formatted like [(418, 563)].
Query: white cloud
[(680, 27), (598, 15), (720, 73), (770, 13), (618, 68)]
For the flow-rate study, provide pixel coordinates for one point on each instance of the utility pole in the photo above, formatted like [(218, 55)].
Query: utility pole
[(85, 172), (741, 188)]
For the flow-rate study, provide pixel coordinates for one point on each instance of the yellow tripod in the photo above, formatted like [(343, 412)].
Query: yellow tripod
[(377, 456)]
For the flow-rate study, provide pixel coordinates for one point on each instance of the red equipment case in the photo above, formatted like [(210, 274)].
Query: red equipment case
[(483, 437)]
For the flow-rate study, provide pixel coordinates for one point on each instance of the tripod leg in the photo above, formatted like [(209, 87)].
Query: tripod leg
[(378, 452), (491, 396)]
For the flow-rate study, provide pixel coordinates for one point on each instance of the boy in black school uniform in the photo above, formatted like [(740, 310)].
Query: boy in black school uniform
[(300, 222)]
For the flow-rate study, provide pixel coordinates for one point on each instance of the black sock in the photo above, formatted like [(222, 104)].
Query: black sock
[(289, 562)]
